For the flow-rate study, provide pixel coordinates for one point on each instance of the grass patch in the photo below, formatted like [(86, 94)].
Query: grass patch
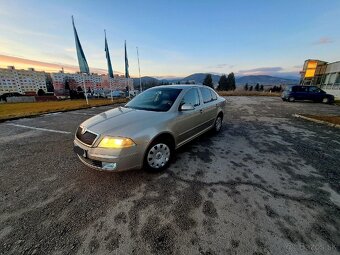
[(329, 119), (17, 110), (248, 93)]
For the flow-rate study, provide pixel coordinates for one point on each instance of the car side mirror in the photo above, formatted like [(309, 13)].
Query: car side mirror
[(186, 107)]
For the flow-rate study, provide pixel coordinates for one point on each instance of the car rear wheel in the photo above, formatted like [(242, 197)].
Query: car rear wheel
[(218, 124), (158, 155), (291, 99)]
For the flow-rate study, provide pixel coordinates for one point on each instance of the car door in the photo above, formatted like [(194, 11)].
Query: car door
[(315, 94), (209, 109), (301, 93), (188, 123)]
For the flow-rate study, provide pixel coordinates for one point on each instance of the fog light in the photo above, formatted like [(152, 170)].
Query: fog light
[(109, 166)]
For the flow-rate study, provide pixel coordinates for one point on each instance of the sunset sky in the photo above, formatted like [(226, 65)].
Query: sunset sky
[(175, 38)]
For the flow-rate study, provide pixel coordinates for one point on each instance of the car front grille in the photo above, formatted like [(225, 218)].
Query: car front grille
[(88, 137)]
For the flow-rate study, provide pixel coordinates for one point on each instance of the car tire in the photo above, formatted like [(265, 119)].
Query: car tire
[(291, 99), (218, 124), (158, 155), (325, 100)]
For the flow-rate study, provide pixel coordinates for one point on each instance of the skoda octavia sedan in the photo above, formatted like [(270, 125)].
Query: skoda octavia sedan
[(147, 130)]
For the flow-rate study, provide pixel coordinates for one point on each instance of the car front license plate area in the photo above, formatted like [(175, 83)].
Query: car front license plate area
[(80, 151)]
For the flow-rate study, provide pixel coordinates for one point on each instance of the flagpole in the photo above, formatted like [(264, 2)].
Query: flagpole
[(110, 88), (85, 93), (140, 79)]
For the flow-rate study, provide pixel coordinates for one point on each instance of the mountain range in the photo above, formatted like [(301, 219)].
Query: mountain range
[(265, 80)]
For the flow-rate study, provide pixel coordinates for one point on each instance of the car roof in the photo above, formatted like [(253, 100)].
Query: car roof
[(181, 86)]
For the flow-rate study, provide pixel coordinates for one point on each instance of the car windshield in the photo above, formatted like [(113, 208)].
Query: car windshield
[(156, 99)]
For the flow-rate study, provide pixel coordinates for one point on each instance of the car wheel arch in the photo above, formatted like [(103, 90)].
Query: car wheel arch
[(166, 136), (161, 136)]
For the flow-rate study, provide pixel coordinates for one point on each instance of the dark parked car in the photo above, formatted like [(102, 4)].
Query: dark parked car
[(312, 93), (11, 94)]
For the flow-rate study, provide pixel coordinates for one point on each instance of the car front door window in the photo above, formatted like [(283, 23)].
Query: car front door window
[(191, 98)]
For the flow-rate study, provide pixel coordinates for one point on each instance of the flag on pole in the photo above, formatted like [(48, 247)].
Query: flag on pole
[(83, 66), (109, 66), (126, 64)]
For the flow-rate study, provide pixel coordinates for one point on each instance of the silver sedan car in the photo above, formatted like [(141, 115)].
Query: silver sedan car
[(148, 129)]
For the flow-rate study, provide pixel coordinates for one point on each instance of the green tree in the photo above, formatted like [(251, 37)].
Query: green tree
[(261, 88), (257, 87), (222, 83), (246, 87), (208, 81), (67, 85), (231, 81), (41, 92), (251, 88)]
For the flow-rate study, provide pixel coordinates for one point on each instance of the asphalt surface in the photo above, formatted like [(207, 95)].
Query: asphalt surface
[(269, 183)]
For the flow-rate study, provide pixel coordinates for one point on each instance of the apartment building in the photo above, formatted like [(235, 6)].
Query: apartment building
[(62, 81), (21, 81)]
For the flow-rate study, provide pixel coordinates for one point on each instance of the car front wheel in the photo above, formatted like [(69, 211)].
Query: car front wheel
[(325, 100), (158, 155)]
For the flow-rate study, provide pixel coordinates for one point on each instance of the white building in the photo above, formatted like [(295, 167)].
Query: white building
[(21, 81), (331, 82), (323, 74), (93, 82)]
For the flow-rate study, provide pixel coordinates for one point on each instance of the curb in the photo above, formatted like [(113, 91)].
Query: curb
[(55, 111), (316, 121)]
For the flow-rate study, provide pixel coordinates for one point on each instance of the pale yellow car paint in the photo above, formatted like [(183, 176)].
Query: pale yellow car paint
[(144, 126)]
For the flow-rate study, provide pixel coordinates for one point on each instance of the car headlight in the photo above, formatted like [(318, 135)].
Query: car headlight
[(116, 142)]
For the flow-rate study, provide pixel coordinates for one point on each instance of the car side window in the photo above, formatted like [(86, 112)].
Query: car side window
[(207, 97), (314, 90), (191, 98), (213, 95)]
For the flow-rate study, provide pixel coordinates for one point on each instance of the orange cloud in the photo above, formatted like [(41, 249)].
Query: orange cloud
[(22, 63)]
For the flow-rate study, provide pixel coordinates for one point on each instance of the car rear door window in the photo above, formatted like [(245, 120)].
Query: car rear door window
[(206, 95), (191, 98), (213, 95)]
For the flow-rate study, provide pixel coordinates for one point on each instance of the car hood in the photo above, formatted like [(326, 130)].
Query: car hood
[(122, 121)]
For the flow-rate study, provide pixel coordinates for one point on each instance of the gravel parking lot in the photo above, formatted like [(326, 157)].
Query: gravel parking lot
[(269, 183)]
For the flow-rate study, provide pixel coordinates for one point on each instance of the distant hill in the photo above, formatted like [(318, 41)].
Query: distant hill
[(199, 78), (148, 81), (264, 80)]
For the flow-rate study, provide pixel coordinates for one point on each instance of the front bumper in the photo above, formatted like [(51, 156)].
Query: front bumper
[(109, 159)]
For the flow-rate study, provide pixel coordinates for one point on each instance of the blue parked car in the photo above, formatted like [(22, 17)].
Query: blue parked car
[(312, 93)]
